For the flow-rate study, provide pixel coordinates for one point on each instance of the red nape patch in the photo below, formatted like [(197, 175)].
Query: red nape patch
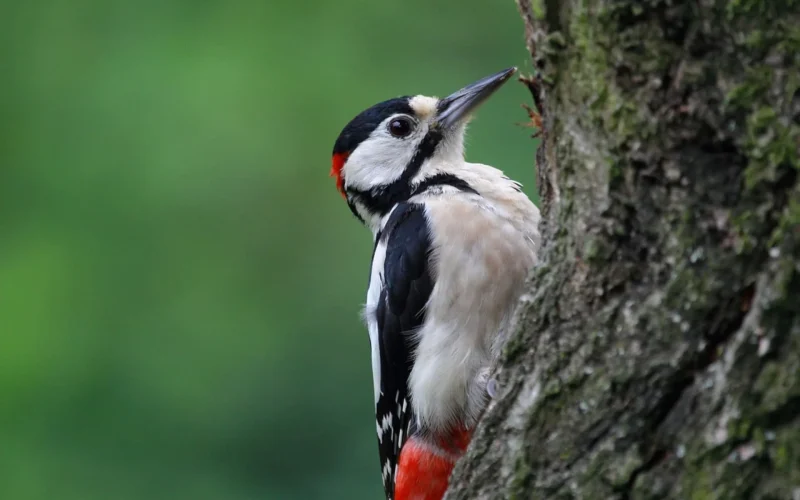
[(339, 160), (423, 472)]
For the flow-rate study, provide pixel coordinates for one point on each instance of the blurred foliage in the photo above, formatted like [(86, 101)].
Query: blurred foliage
[(180, 282)]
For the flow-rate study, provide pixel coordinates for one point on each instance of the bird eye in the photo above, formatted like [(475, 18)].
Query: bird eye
[(400, 127)]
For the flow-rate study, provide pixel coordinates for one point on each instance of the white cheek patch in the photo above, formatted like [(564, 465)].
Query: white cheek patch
[(380, 159)]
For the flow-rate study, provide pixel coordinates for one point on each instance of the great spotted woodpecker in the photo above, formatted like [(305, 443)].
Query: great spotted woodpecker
[(453, 245)]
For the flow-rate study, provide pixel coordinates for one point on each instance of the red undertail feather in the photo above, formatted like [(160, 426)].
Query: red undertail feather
[(339, 160), (424, 468)]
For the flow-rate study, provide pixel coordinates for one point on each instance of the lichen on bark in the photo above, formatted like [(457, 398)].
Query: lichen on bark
[(657, 350)]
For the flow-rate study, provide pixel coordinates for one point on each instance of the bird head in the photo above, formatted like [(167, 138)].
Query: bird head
[(390, 148)]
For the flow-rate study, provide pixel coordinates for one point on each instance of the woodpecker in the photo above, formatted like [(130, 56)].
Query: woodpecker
[(453, 245)]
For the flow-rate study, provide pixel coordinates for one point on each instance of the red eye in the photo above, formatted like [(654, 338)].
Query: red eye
[(400, 127)]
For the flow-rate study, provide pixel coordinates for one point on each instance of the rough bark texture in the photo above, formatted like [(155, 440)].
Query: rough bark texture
[(657, 353)]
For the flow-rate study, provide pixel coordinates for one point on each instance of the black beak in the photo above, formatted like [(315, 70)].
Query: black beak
[(456, 107)]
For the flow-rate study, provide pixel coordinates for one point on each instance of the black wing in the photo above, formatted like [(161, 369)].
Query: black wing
[(407, 285)]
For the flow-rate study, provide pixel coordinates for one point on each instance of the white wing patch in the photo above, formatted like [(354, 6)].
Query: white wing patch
[(373, 296)]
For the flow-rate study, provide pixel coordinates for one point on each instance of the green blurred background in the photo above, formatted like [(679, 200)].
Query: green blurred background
[(180, 282)]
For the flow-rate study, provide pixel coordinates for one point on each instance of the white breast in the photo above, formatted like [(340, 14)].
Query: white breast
[(482, 257)]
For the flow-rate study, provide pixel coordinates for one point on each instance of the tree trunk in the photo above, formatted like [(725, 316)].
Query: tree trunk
[(657, 351)]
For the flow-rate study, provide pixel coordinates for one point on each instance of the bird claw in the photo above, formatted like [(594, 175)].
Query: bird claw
[(491, 387), (486, 380)]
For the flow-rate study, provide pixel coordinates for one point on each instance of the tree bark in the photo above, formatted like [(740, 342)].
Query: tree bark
[(657, 351)]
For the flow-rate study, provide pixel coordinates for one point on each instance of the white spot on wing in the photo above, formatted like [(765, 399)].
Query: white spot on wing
[(384, 425), (387, 470)]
